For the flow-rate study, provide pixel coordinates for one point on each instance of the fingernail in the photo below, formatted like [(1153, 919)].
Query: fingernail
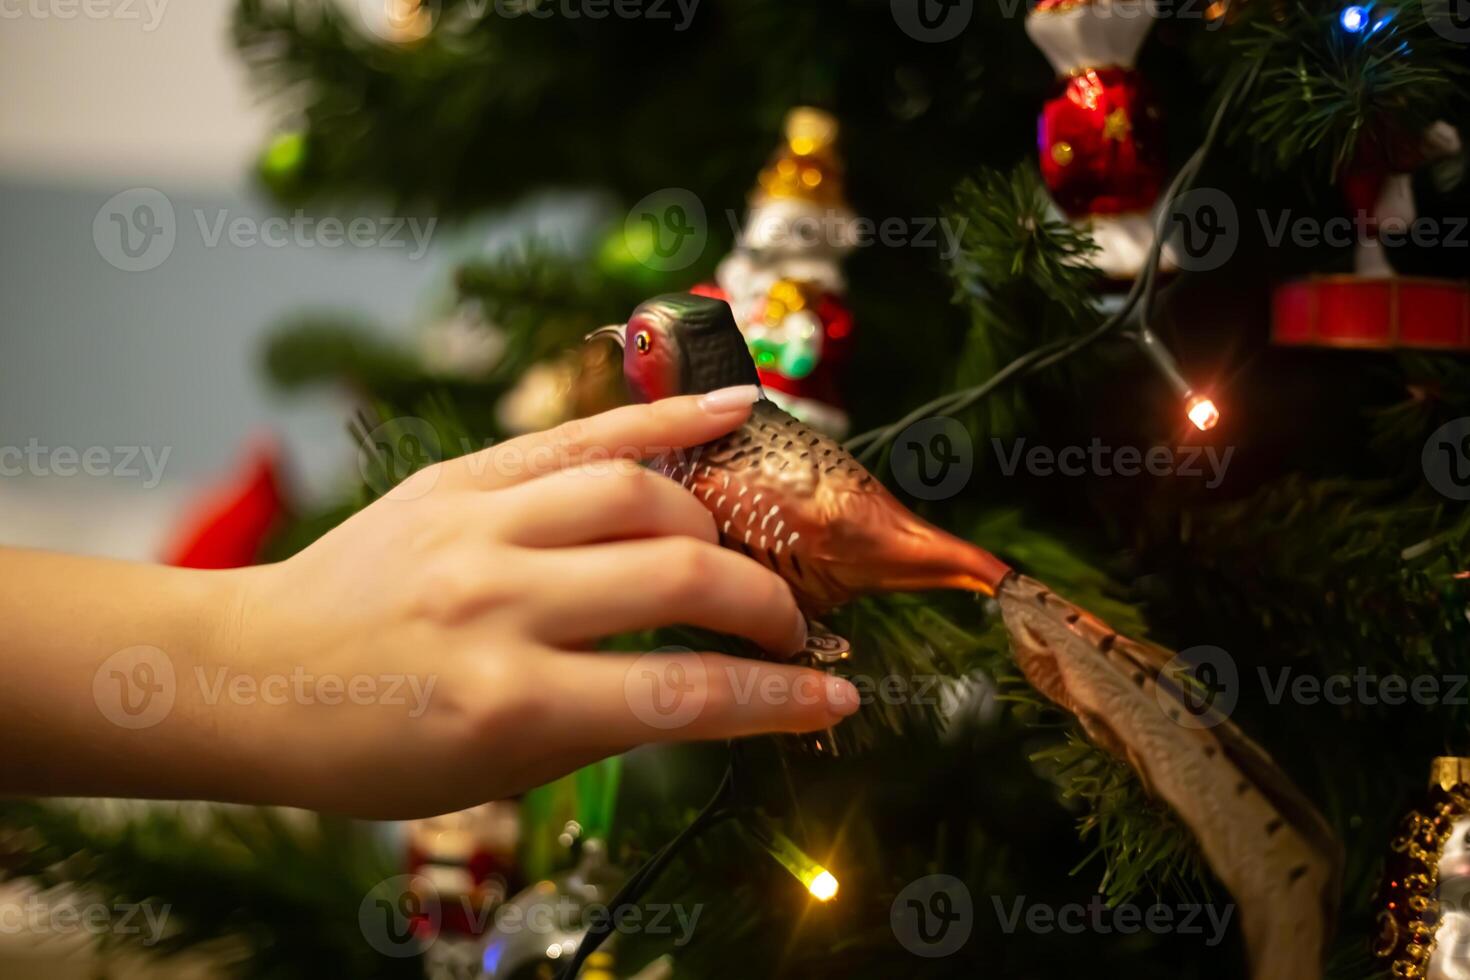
[(729, 399), (842, 697)]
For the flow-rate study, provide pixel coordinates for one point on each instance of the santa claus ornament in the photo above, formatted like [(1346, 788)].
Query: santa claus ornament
[(1098, 136), (784, 279)]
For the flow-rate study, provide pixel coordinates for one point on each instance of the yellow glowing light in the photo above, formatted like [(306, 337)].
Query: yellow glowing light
[(817, 880), (1203, 413), (823, 887)]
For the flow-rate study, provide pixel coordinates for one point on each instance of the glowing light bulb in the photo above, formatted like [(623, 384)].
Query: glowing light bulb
[(1353, 19), (820, 883), (823, 887), (1203, 413)]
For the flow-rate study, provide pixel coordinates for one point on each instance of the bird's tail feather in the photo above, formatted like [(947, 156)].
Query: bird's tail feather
[(1261, 835)]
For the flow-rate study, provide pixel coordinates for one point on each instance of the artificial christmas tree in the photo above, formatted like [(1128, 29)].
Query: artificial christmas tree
[(1324, 551)]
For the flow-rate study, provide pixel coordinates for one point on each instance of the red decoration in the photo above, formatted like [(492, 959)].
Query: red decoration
[(1100, 143), (1379, 313), (229, 525)]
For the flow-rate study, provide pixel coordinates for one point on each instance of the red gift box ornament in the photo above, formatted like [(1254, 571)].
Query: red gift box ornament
[(1099, 134), (1382, 304)]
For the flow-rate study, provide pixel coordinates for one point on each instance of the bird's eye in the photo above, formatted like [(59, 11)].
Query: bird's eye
[(642, 341)]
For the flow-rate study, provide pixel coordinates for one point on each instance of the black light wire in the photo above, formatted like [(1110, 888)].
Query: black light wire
[(719, 808), (868, 443)]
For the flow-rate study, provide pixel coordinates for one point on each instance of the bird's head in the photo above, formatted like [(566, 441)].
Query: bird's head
[(681, 344)]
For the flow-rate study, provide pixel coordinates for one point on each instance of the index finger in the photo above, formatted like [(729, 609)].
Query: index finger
[(632, 432)]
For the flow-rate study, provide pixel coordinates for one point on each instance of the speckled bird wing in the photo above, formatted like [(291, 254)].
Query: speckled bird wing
[(783, 493)]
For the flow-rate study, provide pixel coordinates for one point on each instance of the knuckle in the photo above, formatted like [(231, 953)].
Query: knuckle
[(440, 594), (569, 435), (508, 697), (687, 569)]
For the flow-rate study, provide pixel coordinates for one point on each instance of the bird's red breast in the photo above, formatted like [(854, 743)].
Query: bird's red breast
[(797, 502)]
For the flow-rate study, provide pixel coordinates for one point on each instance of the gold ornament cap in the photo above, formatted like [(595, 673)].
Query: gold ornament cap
[(807, 166), (1449, 771)]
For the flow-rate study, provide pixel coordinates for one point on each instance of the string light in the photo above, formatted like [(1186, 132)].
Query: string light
[(817, 880), (1203, 413), (1354, 19), (1200, 408)]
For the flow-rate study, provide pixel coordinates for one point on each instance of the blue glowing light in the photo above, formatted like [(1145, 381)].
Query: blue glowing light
[(1354, 19), (494, 952)]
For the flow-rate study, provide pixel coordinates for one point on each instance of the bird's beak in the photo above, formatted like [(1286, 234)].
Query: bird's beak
[(613, 331)]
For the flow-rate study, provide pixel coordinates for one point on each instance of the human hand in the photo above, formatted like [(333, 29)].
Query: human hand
[(483, 581)]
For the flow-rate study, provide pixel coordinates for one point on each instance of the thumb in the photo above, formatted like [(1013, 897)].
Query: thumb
[(686, 696)]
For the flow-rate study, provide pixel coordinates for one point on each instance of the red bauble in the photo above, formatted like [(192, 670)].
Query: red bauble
[(1100, 145), (229, 525)]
